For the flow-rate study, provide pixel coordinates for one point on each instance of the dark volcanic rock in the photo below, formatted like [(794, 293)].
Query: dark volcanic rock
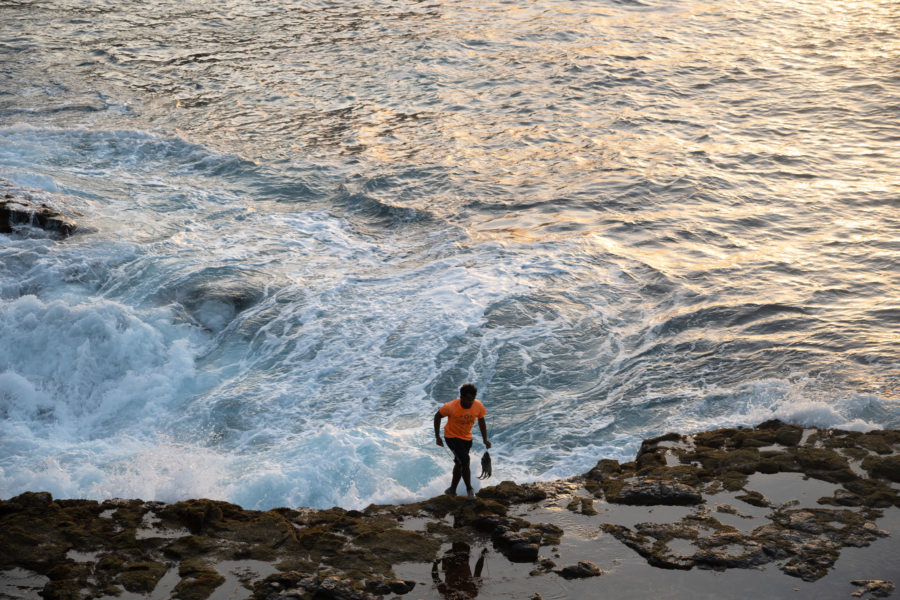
[(297, 586), (657, 492), (649, 546), (509, 492), (789, 435), (141, 577), (198, 580), (886, 467), (395, 586), (19, 207), (807, 540), (879, 588), (402, 587), (522, 552), (754, 499), (582, 570), (584, 506), (350, 554), (604, 469), (519, 547)]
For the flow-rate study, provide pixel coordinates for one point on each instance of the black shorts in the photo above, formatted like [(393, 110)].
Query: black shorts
[(460, 449)]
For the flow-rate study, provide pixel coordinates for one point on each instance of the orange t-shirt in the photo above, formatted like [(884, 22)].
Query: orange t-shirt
[(460, 420)]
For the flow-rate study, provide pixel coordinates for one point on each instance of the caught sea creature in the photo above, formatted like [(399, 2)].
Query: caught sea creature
[(486, 470)]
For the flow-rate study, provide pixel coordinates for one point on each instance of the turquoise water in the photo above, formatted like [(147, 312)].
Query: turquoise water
[(305, 224)]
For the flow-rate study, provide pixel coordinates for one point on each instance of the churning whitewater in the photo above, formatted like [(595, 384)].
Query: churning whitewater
[(303, 225)]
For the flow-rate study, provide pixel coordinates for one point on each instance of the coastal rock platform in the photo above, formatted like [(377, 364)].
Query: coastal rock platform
[(772, 511)]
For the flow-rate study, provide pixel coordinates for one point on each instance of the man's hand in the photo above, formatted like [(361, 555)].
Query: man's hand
[(439, 441), (487, 444)]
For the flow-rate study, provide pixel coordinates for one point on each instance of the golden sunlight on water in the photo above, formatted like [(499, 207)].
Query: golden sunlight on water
[(624, 217), (660, 95)]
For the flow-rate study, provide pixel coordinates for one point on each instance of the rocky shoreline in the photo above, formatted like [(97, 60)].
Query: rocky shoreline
[(776, 498)]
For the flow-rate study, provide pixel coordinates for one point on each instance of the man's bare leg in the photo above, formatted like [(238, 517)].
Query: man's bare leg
[(457, 473)]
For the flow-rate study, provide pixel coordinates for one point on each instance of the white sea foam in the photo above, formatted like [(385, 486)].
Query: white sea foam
[(92, 360), (161, 469), (203, 343), (96, 388), (151, 467), (19, 400)]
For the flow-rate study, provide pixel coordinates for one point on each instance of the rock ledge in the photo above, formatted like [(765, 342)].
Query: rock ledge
[(88, 549)]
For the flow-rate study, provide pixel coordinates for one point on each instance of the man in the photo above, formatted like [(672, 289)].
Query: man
[(461, 415)]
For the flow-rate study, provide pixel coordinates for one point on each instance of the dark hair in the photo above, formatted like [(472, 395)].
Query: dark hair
[(468, 391)]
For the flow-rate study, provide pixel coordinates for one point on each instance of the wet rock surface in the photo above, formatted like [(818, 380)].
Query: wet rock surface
[(804, 543), (21, 207), (89, 549), (582, 570), (876, 588), (653, 492)]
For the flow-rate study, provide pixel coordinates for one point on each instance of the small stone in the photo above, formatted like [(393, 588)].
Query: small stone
[(509, 492), (522, 552), (754, 499), (580, 571), (379, 588), (879, 588), (873, 529), (844, 498), (550, 534), (545, 566), (402, 587), (587, 507)]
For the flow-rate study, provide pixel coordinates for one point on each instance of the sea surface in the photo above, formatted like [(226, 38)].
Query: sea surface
[(304, 224)]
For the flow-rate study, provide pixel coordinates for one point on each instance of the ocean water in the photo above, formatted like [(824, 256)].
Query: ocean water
[(305, 223)]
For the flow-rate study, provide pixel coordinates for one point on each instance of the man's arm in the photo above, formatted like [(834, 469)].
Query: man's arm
[(437, 428), (483, 427)]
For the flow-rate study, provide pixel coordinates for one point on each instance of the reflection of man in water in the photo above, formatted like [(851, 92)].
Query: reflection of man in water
[(459, 583)]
